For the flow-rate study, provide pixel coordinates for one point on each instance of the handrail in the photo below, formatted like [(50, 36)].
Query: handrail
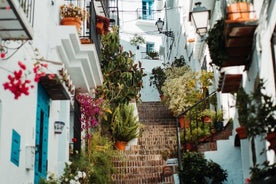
[(179, 154)]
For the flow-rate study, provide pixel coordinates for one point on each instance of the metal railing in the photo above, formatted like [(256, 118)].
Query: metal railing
[(179, 151), (28, 8)]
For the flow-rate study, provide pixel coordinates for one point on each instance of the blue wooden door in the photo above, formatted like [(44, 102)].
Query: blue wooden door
[(41, 136)]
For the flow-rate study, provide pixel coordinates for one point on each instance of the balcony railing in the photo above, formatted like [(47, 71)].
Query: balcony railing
[(16, 19), (146, 14)]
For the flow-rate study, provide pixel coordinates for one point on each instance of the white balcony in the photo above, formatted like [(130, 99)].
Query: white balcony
[(16, 19)]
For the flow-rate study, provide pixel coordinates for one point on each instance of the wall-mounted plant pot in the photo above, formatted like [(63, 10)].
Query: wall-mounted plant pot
[(58, 127), (71, 21), (238, 11), (121, 145), (242, 132)]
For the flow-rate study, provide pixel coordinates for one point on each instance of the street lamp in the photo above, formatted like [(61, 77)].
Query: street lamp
[(160, 24), (200, 18)]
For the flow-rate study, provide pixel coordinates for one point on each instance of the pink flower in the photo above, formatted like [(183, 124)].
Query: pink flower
[(247, 180)]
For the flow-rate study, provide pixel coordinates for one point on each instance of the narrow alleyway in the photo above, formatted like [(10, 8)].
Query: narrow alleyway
[(143, 163)]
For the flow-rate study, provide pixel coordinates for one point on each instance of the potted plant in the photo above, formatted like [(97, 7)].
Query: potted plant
[(242, 104), (218, 120), (102, 25), (158, 75), (158, 78), (137, 40), (264, 173), (215, 41), (72, 15), (181, 88), (124, 125), (197, 169), (256, 111), (208, 115), (153, 54)]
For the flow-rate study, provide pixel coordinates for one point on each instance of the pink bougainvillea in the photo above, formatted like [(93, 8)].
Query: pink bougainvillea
[(18, 82), (90, 109)]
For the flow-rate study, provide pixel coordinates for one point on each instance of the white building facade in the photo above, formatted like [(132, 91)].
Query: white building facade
[(31, 146), (236, 159)]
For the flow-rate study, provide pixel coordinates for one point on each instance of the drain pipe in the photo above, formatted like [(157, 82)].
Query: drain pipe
[(179, 154)]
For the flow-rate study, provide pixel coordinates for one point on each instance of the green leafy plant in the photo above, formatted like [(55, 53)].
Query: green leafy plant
[(157, 78), (137, 40), (197, 169), (152, 54), (122, 77), (124, 125), (183, 87), (264, 173), (256, 110), (215, 41)]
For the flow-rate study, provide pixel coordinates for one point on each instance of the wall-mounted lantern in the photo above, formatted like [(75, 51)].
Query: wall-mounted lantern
[(200, 18), (160, 24)]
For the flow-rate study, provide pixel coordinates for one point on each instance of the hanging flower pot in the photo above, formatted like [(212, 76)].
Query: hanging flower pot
[(271, 138), (121, 145), (242, 132), (58, 127)]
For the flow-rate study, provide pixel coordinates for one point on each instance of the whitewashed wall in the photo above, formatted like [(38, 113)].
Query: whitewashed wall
[(21, 114)]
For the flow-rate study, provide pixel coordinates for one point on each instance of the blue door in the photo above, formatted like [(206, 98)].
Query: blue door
[(41, 136)]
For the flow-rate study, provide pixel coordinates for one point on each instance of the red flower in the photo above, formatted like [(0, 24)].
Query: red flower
[(22, 66), (2, 55), (74, 139)]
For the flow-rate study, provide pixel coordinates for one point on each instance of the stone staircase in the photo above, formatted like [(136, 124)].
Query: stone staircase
[(143, 163)]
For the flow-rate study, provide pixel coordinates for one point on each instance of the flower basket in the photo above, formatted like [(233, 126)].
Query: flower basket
[(242, 132), (121, 145), (271, 138)]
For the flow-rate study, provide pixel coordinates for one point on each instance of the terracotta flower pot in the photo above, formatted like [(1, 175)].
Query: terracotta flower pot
[(238, 11), (71, 21), (242, 132), (100, 28), (120, 145), (207, 119), (271, 138), (85, 41), (184, 122)]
